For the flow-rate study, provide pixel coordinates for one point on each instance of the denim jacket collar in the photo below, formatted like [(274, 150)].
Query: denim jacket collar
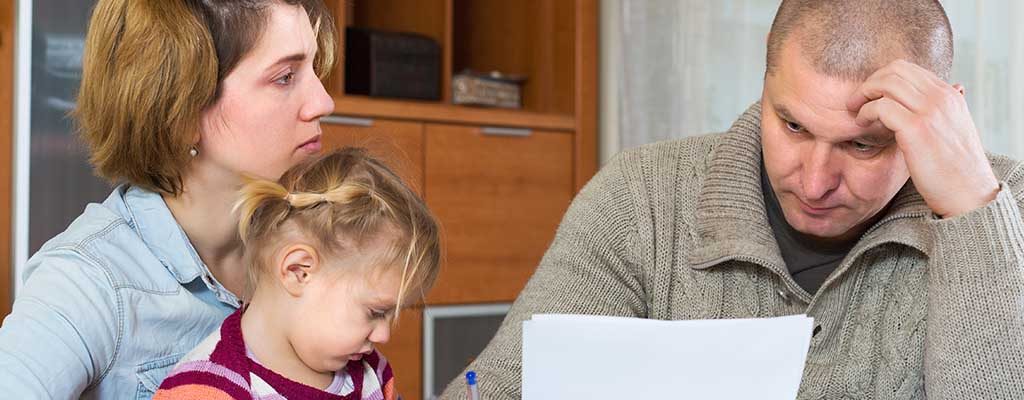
[(147, 213)]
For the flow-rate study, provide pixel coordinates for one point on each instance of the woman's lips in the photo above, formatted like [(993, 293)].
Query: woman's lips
[(312, 146)]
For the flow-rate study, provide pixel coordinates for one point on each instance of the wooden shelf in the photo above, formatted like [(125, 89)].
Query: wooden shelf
[(362, 106)]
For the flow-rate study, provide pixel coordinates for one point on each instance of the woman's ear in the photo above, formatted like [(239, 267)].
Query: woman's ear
[(296, 266)]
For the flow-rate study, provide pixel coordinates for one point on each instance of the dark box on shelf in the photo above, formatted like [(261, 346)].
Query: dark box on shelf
[(390, 64)]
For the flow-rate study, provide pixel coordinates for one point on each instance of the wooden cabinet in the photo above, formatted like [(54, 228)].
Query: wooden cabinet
[(499, 194), (499, 180)]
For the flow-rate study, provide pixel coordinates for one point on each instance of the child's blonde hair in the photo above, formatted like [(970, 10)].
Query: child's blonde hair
[(342, 198)]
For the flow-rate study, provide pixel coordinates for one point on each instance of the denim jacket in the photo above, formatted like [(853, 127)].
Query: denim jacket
[(109, 305)]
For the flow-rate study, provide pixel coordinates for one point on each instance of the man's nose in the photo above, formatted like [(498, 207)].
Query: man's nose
[(819, 177)]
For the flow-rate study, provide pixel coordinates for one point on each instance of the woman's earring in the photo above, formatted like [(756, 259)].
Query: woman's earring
[(193, 151)]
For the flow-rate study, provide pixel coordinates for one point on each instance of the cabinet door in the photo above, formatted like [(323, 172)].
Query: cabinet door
[(398, 144), (499, 194)]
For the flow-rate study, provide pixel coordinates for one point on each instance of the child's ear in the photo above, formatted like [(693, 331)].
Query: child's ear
[(296, 267)]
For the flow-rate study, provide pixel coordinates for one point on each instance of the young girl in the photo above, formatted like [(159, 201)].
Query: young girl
[(334, 250)]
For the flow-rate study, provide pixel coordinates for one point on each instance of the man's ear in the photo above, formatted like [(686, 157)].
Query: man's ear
[(296, 266)]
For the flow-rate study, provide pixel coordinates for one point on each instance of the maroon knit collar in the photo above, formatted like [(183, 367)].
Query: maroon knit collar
[(230, 352)]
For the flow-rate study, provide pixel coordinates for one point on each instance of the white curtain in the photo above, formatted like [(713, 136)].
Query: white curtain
[(688, 67)]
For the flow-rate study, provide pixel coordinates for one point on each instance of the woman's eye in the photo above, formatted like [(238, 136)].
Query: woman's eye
[(286, 79), (794, 127)]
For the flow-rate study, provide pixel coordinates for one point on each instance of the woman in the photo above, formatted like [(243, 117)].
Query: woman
[(179, 100)]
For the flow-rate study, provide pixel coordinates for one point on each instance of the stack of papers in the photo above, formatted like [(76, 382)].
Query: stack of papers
[(596, 357)]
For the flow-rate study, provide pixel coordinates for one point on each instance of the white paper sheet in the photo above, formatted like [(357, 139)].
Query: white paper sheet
[(596, 357)]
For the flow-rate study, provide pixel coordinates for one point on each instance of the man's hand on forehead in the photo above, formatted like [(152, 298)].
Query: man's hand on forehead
[(935, 132)]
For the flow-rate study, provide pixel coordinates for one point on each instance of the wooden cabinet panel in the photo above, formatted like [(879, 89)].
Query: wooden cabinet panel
[(7, 15), (405, 353), (399, 144), (499, 199), (537, 39)]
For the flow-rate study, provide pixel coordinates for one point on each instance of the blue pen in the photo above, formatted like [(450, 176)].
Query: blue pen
[(471, 386)]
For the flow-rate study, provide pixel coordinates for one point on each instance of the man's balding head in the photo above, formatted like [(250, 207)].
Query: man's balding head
[(850, 39)]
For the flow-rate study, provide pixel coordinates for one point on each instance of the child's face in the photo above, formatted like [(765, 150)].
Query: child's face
[(348, 313)]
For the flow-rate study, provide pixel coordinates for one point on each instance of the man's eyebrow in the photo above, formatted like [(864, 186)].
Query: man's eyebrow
[(876, 138), (784, 113)]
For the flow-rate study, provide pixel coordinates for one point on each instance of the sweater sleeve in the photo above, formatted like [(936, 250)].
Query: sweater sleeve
[(590, 268), (974, 345)]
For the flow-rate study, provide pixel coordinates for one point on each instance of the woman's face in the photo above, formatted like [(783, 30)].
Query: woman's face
[(267, 118)]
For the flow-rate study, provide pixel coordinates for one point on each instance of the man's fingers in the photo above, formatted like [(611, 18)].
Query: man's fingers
[(891, 86), (890, 113), (906, 82)]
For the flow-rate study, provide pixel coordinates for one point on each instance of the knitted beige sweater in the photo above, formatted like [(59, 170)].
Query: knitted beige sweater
[(920, 307)]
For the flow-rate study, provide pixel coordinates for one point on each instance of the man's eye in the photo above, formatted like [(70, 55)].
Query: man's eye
[(794, 127), (862, 147)]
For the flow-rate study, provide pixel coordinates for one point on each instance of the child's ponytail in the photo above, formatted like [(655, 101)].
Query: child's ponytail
[(261, 204), (344, 194)]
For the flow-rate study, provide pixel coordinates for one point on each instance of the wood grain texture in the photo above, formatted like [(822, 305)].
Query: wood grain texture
[(530, 37), (436, 112), (499, 200), (7, 23), (398, 144), (586, 95), (335, 83)]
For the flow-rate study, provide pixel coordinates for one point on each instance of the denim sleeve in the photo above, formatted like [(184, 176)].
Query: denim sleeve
[(63, 332)]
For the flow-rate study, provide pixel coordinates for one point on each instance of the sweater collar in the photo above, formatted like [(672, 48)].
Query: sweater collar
[(732, 222), (230, 352)]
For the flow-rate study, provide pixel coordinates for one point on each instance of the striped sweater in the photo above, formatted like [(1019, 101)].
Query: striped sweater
[(220, 368)]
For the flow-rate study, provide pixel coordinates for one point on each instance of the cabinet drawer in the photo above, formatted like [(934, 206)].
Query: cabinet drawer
[(499, 195)]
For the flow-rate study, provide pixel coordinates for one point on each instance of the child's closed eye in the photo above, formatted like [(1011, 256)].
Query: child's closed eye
[(378, 314)]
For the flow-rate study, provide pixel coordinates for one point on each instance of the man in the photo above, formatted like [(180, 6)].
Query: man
[(856, 191)]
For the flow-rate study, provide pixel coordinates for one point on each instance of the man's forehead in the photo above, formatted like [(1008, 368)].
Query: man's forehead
[(795, 77)]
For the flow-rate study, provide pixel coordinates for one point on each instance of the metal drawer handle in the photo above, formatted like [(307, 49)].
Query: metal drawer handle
[(342, 120), (498, 131)]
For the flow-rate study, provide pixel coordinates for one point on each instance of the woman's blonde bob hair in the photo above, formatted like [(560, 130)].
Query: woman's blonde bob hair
[(151, 67), (340, 200)]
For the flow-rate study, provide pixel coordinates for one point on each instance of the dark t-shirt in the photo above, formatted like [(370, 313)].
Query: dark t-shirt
[(809, 262)]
